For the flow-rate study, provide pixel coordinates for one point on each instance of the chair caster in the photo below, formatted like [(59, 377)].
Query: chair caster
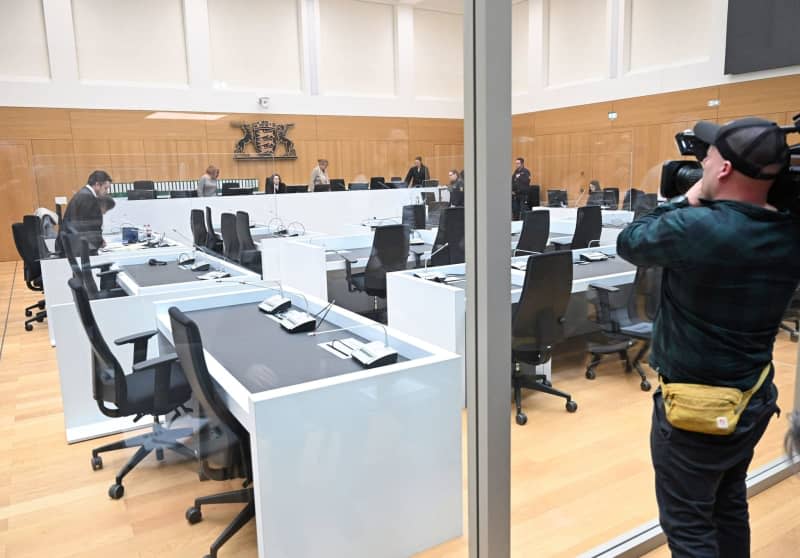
[(572, 406), (28, 313), (590, 374), (645, 385), (794, 336), (41, 304), (159, 454), (116, 491), (28, 327), (547, 382), (193, 515), (97, 463), (521, 418)]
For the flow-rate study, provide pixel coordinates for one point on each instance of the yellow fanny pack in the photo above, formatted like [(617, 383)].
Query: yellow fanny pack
[(707, 409)]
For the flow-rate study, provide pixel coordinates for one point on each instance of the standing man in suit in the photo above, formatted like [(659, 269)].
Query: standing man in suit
[(319, 175), (84, 215), (417, 174), (520, 187)]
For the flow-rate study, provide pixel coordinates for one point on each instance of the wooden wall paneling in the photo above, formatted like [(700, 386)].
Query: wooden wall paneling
[(131, 124), (34, 123), (579, 174), (764, 96), (161, 158), (647, 159), (613, 169), (91, 155), (192, 158), (353, 159), (397, 158), (446, 158), (354, 128), (573, 119), (298, 171), (16, 190), (53, 164), (436, 130), (677, 106), (332, 151), (617, 141), (127, 159)]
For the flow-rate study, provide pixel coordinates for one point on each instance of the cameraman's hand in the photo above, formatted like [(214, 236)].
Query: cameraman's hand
[(693, 193)]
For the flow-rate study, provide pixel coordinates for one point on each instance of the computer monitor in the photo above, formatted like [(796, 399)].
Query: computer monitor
[(337, 185), (397, 184), (358, 186), (430, 183), (322, 187), (296, 188)]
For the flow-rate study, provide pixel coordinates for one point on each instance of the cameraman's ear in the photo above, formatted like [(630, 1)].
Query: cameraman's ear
[(725, 170)]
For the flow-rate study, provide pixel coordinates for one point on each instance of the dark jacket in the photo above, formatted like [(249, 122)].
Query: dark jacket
[(84, 218), (416, 176), (521, 180)]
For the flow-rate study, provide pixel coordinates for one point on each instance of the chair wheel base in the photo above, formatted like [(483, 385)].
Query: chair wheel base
[(194, 515), (590, 374), (794, 336), (116, 491), (28, 327), (521, 419), (97, 463), (645, 385), (572, 406), (28, 313)]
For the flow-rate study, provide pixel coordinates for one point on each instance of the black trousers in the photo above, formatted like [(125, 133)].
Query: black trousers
[(700, 480)]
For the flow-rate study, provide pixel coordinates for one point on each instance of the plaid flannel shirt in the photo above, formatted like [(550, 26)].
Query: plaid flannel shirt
[(730, 270)]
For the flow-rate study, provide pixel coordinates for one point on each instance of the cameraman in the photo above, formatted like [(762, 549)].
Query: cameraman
[(731, 263)]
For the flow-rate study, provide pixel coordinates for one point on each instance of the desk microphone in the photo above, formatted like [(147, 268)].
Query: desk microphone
[(279, 226), (368, 355), (274, 304), (439, 249), (183, 236)]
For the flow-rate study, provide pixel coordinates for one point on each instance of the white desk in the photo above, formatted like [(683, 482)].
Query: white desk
[(347, 461), (116, 317), (56, 272), (436, 312)]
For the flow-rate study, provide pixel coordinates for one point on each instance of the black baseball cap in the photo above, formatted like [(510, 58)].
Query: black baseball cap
[(750, 144)]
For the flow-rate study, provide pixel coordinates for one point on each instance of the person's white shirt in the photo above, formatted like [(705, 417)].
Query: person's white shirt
[(91, 190)]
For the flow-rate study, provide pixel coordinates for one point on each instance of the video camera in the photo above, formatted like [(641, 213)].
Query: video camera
[(678, 176)]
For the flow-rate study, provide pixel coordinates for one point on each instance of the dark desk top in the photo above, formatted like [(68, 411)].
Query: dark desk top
[(261, 355), (363, 253), (146, 275)]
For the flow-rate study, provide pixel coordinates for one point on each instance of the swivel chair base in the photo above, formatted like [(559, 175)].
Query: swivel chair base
[(242, 496), (536, 382), (794, 332), (620, 346), (159, 439), (38, 317)]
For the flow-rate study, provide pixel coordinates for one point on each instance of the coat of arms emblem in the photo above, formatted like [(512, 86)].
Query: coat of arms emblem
[(267, 138)]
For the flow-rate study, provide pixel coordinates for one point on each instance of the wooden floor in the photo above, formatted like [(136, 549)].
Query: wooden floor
[(577, 479)]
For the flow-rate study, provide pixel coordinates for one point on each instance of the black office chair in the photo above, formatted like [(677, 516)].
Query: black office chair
[(535, 232), (108, 277), (377, 183), (595, 198), (556, 198), (337, 185), (249, 253), (623, 322), (230, 239), (414, 216), (629, 200), (611, 198), (213, 240), (141, 195), (537, 324), (435, 210), (223, 444), (232, 189), (144, 185), (322, 187), (588, 227), (534, 196), (32, 269), (389, 253), (198, 226), (155, 387), (358, 186), (396, 179), (448, 247)]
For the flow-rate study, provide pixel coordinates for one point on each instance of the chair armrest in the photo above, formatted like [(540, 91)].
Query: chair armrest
[(596, 243), (606, 288), (107, 273), (139, 341), (561, 242), (348, 269), (162, 365)]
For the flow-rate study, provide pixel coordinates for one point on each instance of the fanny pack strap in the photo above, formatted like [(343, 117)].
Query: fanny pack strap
[(746, 395)]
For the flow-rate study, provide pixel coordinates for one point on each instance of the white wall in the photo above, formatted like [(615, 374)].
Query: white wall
[(23, 43), (255, 44), (119, 40), (577, 44), (356, 48), (438, 54), (347, 57)]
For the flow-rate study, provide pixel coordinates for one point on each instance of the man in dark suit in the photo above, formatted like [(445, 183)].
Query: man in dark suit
[(520, 187), (417, 174), (84, 216)]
